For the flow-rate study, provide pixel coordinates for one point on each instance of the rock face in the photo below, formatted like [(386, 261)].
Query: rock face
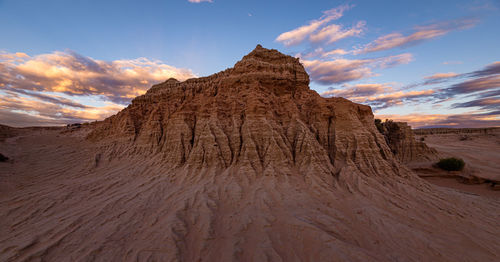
[(248, 164), (259, 117), (399, 136)]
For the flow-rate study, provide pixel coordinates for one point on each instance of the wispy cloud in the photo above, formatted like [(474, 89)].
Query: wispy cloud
[(378, 96), (441, 76), (447, 120), (358, 92), (479, 80), (343, 70), (321, 53), (298, 35), (399, 98), (482, 103), (22, 111), (421, 33), (334, 32), (474, 85), (200, 1), (491, 69), (55, 99)]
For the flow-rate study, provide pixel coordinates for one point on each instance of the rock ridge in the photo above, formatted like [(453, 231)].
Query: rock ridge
[(259, 116)]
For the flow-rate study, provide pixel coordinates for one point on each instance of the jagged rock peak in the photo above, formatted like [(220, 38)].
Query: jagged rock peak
[(268, 68), (271, 56), (271, 61)]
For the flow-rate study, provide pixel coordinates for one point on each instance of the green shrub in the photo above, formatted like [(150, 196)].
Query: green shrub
[(451, 164)]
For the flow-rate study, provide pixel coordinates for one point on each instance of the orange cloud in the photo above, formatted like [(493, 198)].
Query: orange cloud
[(334, 52), (74, 74), (33, 90), (441, 75)]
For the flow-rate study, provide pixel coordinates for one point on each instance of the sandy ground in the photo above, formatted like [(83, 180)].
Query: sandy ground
[(483, 190), (481, 153), (59, 201)]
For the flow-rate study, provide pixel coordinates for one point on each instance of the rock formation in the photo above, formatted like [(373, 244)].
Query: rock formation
[(259, 117), (399, 136), (248, 164)]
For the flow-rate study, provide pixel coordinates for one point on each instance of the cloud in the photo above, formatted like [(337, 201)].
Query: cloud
[(320, 52), (343, 70), (482, 85), (399, 98), (485, 79), (337, 71), (12, 57), (16, 119), (358, 92), (441, 75), (76, 75), (491, 119), (482, 103), (491, 69), (474, 85), (420, 34), (35, 89), (378, 96), (55, 99), (436, 79), (334, 52), (333, 33), (21, 111), (298, 35), (199, 1)]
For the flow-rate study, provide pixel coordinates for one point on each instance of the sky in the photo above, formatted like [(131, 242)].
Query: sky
[(428, 63)]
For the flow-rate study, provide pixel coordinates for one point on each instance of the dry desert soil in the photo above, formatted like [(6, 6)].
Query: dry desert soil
[(247, 164)]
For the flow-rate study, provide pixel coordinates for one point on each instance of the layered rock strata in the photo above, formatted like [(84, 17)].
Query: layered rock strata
[(400, 138)]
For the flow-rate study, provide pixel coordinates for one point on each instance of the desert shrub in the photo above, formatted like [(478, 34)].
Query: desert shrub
[(3, 158), (451, 164), (422, 139), (378, 124)]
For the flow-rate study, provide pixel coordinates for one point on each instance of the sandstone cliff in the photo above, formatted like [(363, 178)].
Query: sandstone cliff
[(259, 116), (399, 136), (248, 164)]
